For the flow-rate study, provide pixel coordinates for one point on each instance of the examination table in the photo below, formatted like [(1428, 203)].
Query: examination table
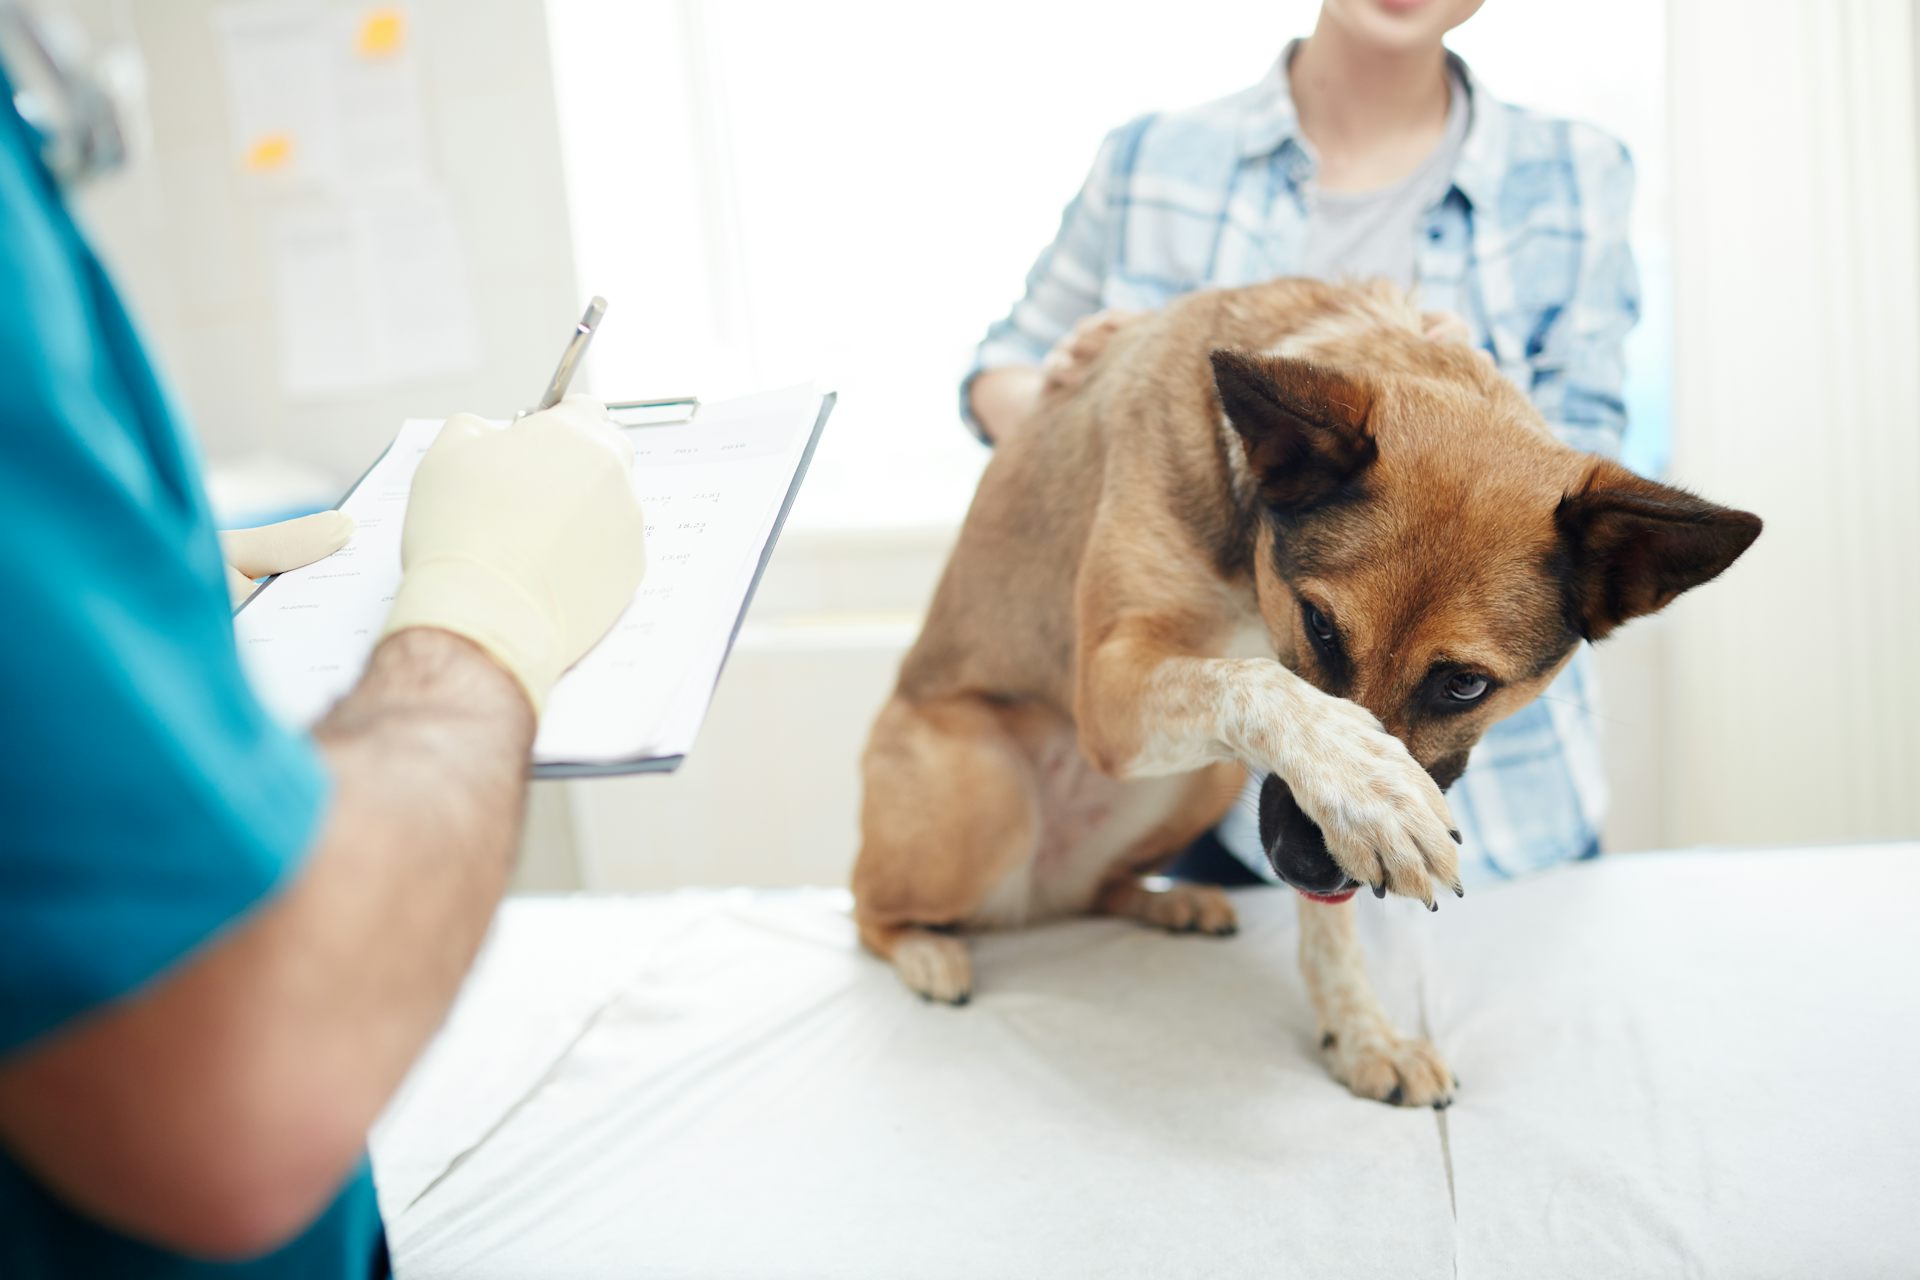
[(1691, 1064)]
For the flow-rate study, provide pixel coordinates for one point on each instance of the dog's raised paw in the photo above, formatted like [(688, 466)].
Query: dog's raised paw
[(1401, 1071), (938, 966)]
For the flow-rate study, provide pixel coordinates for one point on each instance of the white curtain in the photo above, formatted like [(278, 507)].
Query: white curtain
[(1794, 689)]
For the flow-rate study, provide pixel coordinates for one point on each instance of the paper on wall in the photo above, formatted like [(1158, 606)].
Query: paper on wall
[(321, 302), (280, 70), (371, 281), (371, 293), (420, 298), (383, 133), (322, 99)]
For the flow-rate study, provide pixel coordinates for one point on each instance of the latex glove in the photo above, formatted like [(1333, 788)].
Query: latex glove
[(275, 548), (527, 539)]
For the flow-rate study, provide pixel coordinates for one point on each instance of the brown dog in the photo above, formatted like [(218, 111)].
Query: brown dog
[(1279, 529)]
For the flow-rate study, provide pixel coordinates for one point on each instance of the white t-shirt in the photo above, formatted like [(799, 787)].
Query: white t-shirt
[(1365, 235)]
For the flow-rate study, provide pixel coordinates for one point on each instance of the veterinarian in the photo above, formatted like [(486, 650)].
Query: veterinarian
[(222, 945), (1369, 151)]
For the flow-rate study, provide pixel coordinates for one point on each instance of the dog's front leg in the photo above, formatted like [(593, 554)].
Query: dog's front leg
[(1145, 708), (1363, 1051)]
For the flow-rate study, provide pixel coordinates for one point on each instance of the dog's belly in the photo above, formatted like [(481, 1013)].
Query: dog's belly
[(1088, 822)]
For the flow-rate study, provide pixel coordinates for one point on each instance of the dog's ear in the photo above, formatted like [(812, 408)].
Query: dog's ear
[(1632, 545), (1304, 426)]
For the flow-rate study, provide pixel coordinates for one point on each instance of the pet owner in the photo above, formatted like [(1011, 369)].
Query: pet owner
[(221, 944), (1369, 151)]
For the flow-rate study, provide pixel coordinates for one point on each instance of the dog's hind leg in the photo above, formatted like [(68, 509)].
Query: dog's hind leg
[(1176, 906), (937, 964), (1362, 1049), (950, 811), (1173, 906)]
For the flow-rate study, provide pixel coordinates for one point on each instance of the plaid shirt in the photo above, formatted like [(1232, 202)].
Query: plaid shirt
[(1528, 245)]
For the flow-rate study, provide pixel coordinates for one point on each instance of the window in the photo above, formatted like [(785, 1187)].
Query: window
[(853, 190)]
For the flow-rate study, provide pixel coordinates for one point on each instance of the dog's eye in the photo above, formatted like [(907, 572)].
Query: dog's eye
[(1464, 686), (1320, 625)]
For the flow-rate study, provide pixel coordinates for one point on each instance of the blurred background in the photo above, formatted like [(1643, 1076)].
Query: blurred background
[(348, 214)]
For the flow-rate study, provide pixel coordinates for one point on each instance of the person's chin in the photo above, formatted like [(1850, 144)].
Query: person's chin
[(1399, 25)]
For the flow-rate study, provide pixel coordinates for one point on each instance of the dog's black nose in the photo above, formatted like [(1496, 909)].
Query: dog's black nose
[(1296, 850), (1446, 772)]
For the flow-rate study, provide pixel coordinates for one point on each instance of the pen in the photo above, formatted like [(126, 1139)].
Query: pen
[(570, 358)]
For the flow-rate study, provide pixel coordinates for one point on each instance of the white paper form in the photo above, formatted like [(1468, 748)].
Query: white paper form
[(330, 130), (711, 489)]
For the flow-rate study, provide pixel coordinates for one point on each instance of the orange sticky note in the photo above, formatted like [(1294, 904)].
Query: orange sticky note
[(381, 34), (269, 151)]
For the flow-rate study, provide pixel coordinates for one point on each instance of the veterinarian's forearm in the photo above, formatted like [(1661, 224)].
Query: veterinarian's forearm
[(1002, 399), (220, 1109), (430, 757)]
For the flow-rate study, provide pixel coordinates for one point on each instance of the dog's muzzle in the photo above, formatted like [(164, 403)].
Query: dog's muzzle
[(1296, 850)]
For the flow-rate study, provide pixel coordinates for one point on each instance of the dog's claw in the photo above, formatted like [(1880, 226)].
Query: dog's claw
[(1380, 890), (1396, 1097), (1432, 905), (1459, 891), (1455, 835)]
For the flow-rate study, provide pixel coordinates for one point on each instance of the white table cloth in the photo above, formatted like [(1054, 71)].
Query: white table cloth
[(1700, 1064)]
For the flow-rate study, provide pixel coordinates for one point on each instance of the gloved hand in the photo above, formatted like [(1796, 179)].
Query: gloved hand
[(276, 548), (527, 540)]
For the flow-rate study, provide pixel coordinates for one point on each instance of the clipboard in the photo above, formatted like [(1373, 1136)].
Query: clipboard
[(684, 411), (691, 405), (665, 412)]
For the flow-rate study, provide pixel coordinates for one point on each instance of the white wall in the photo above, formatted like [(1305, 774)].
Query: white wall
[(770, 793), (1793, 697), (852, 190)]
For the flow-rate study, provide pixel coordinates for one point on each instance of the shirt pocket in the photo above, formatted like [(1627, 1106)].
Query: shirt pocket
[(1540, 267)]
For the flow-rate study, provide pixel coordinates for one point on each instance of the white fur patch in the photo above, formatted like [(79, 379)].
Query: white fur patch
[(1377, 304), (1075, 858), (1239, 475)]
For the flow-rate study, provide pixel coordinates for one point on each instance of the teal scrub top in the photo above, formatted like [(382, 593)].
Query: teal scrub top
[(147, 803)]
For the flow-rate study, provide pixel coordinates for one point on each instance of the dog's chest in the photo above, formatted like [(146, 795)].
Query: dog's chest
[(1088, 821)]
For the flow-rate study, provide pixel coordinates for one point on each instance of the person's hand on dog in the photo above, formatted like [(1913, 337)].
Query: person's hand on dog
[(1445, 326), (1067, 365)]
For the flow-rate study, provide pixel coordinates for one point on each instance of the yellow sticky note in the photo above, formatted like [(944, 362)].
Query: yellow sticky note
[(270, 151), (382, 32)]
